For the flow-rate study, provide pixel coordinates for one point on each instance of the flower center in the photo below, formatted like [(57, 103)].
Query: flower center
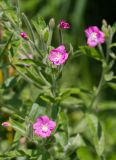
[(45, 128), (93, 36), (58, 56)]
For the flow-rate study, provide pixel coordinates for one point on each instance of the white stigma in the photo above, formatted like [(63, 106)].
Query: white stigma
[(45, 128), (93, 36), (58, 57)]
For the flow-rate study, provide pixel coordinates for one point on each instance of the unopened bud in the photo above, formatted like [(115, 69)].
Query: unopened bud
[(23, 35), (52, 23), (104, 22)]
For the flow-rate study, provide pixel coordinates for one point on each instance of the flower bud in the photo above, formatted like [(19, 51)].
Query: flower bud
[(23, 35), (52, 23), (5, 124)]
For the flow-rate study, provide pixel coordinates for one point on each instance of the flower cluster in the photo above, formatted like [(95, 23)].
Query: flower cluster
[(44, 126), (58, 55), (94, 36)]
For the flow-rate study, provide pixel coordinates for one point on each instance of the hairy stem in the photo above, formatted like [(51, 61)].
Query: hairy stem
[(54, 111), (99, 88)]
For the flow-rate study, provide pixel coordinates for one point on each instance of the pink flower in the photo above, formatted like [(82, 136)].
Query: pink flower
[(64, 25), (23, 35), (58, 55), (44, 126), (5, 124), (94, 36)]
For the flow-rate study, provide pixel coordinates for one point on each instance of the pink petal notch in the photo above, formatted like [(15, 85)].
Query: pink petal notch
[(94, 36)]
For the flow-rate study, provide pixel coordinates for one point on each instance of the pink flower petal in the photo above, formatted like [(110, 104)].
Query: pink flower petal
[(64, 25), (23, 35), (94, 36), (58, 55), (43, 126), (5, 124)]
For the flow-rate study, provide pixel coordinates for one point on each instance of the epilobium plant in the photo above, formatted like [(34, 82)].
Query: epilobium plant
[(38, 106)]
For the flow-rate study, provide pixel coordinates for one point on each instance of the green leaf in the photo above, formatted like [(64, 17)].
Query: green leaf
[(26, 21), (91, 52), (6, 46), (47, 76), (112, 45), (29, 62), (84, 153), (38, 107), (109, 76), (39, 24), (74, 143), (67, 92), (112, 85), (17, 153), (96, 133), (71, 51), (113, 55), (34, 111), (32, 74), (10, 82), (114, 28), (29, 128), (18, 127), (46, 34), (63, 123), (40, 157)]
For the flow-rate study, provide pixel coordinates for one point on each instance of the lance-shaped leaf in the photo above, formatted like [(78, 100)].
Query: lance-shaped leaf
[(6, 46), (29, 26), (39, 106), (96, 132), (18, 127), (91, 52), (74, 143)]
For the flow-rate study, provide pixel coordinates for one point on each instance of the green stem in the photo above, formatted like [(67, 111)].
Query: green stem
[(60, 36), (34, 45), (101, 82), (18, 13), (78, 51), (54, 111), (99, 88), (101, 51), (102, 158), (53, 89), (50, 37), (25, 77), (108, 43)]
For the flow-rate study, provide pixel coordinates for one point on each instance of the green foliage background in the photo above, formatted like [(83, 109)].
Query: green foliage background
[(82, 72)]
